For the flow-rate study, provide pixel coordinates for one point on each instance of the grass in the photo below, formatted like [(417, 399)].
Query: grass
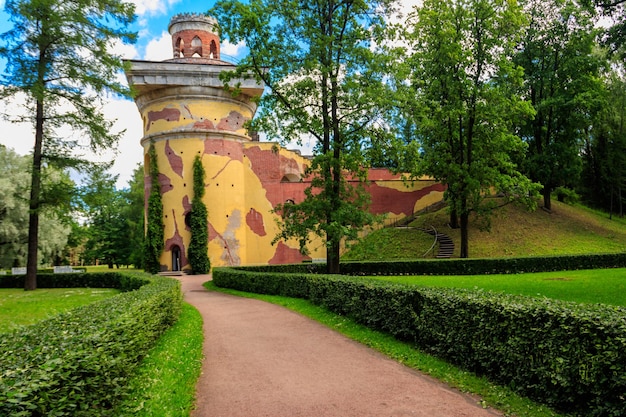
[(489, 395), (164, 384), (516, 232), (390, 244), (607, 286), (20, 308)]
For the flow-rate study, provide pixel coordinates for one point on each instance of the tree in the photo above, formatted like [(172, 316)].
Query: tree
[(109, 219), (14, 191), (614, 36), (562, 84), (58, 56), (198, 247), (135, 217), (323, 71), (464, 81), (604, 153), (153, 243)]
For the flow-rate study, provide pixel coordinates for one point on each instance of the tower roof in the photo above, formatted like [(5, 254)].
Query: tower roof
[(195, 37)]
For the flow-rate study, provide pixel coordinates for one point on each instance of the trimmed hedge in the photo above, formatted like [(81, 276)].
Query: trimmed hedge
[(77, 363), (569, 356), (124, 281), (461, 266)]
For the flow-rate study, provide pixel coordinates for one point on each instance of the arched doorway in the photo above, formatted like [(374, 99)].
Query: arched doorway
[(175, 258)]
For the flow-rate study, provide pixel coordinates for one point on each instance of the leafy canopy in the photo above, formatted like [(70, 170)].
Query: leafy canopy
[(325, 76)]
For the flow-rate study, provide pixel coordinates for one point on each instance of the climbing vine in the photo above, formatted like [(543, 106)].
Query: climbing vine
[(154, 233), (198, 247)]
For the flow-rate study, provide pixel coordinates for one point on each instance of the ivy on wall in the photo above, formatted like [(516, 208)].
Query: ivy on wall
[(154, 233), (198, 247)]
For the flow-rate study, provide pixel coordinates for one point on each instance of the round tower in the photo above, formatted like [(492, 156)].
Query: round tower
[(187, 112)]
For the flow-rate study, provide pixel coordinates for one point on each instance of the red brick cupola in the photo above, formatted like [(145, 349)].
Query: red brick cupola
[(195, 36)]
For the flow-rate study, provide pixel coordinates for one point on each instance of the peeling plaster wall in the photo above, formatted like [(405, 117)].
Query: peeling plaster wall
[(244, 180)]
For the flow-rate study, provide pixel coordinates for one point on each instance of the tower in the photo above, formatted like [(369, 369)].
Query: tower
[(187, 112)]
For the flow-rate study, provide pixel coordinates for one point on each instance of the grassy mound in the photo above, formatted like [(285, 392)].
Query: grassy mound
[(513, 232)]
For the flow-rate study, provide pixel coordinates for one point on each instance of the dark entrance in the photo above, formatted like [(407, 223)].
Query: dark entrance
[(175, 258)]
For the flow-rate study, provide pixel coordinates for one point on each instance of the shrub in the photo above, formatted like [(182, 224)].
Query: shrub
[(198, 246), (569, 356), (77, 363)]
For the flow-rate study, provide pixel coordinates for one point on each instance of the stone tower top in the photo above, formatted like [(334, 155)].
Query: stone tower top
[(195, 36)]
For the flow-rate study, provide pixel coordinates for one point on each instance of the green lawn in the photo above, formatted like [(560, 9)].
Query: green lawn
[(165, 382), (607, 286), (19, 307)]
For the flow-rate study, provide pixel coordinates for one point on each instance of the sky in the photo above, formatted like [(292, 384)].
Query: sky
[(153, 44)]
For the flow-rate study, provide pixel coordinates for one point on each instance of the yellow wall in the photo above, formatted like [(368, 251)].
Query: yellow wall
[(244, 181)]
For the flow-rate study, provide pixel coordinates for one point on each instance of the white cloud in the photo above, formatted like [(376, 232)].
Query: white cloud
[(126, 51), (159, 49), (18, 136), (152, 7), (232, 50), (129, 151)]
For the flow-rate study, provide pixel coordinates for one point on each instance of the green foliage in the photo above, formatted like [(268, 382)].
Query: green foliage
[(198, 246), (466, 86), (19, 308), (324, 71), (58, 54), (164, 384), (604, 153), (566, 195), (461, 266), (567, 355), (561, 74), (55, 208), (77, 363), (109, 226), (135, 217), (155, 229)]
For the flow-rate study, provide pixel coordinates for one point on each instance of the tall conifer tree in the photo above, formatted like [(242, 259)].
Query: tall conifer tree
[(59, 56)]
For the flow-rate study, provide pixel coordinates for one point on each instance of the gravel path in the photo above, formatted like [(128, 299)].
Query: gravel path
[(265, 360)]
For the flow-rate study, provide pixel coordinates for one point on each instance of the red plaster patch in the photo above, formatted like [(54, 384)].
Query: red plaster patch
[(213, 234), (254, 219), (167, 114), (204, 124), (286, 255), (175, 161), (389, 200), (229, 148), (165, 182), (234, 121)]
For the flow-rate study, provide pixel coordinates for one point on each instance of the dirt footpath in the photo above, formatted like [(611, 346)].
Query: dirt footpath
[(265, 360)]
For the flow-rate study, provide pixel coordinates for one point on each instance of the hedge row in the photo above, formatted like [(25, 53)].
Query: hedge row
[(124, 281), (77, 363), (569, 356), (462, 266)]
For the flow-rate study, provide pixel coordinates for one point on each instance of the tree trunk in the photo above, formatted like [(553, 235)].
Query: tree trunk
[(332, 258), (464, 234), (547, 202), (30, 283), (454, 219)]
